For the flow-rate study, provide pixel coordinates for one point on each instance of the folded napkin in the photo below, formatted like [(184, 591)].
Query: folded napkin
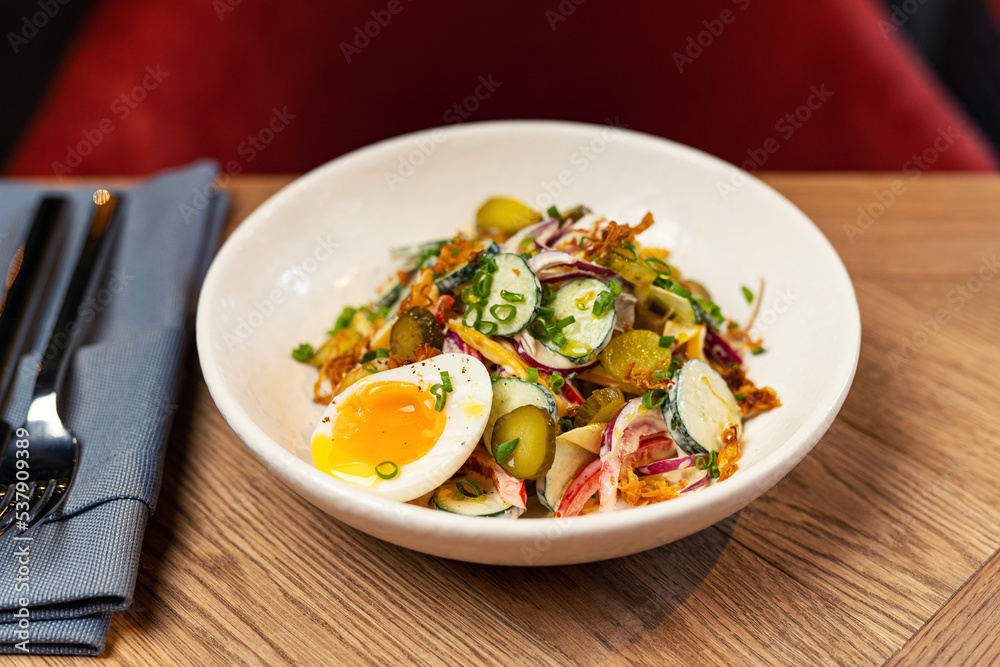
[(58, 591)]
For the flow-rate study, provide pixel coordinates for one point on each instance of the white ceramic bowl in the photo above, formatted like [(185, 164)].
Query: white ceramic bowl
[(323, 241)]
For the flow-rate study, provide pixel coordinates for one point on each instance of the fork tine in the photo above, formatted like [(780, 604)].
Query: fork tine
[(8, 513), (48, 505), (10, 500)]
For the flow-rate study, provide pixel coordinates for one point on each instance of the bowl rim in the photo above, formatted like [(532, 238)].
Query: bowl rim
[(738, 491)]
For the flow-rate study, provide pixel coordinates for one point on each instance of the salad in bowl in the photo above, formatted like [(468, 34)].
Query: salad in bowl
[(547, 356)]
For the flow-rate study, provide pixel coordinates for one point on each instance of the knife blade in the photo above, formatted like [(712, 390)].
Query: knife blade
[(20, 299)]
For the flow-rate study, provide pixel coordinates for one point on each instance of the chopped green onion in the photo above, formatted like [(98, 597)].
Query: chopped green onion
[(487, 264), (468, 488), (554, 212), (538, 330), (559, 339), (632, 256), (564, 322), (710, 463), (581, 304), (344, 320), (528, 240), (663, 281), (303, 352), (740, 396), (615, 287), (666, 341), (663, 375), (387, 470), (438, 391), (601, 303), (566, 424), (508, 312), (659, 266), (759, 350), (482, 283), (747, 294), (468, 297), (474, 323), (506, 449), (653, 398), (382, 353), (571, 377), (531, 375), (548, 295), (585, 238), (556, 383), (487, 328), (514, 297), (367, 356), (455, 251), (546, 313), (679, 290), (446, 381), (494, 377), (370, 368)]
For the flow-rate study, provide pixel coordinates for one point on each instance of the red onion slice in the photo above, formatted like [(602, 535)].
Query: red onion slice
[(719, 349), (538, 356)]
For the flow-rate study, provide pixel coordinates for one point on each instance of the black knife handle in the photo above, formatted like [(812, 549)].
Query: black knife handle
[(18, 302)]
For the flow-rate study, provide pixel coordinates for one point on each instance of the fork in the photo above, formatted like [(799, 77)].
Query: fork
[(47, 449)]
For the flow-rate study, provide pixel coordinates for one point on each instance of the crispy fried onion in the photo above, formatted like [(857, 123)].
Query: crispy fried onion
[(752, 399), (359, 370), (741, 338), (332, 371), (644, 378), (458, 252), (613, 235), (637, 492), (423, 293), (730, 453)]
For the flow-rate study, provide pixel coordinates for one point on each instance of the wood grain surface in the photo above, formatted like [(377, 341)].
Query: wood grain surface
[(881, 546)]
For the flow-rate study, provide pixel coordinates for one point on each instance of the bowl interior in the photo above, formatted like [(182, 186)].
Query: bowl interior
[(323, 243)]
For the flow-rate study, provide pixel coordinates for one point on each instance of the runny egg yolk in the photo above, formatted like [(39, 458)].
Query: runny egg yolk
[(382, 421)]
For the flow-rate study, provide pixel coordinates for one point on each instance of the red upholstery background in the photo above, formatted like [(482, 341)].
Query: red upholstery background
[(225, 67)]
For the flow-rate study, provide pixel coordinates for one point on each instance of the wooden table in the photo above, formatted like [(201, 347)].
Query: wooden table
[(882, 546)]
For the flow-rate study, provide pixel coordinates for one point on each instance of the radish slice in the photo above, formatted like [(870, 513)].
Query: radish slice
[(538, 356), (511, 489), (667, 465), (454, 343), (580, 490), (621, 439), (719, 349)]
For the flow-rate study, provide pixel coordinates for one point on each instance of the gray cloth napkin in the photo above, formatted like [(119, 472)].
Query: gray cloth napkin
[(117, 398)]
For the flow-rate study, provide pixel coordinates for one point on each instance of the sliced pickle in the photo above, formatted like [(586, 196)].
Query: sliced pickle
[(640, 348), (505, 215), (535, 431), (599, 407), (415, 326)]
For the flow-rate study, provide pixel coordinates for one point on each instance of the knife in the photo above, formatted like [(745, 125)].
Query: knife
[(18, 300)]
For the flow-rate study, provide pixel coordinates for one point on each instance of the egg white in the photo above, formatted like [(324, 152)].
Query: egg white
[(466, 412)]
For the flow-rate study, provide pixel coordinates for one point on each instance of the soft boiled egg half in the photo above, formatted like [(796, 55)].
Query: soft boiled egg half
[(385, 433)]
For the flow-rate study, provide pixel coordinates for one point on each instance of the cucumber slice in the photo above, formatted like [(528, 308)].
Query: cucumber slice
[(510, 394), (514, 276), (699, 408), (567, 464), (449, 499), (673, 305), (451, 281), (588, 334), (393, 295)]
